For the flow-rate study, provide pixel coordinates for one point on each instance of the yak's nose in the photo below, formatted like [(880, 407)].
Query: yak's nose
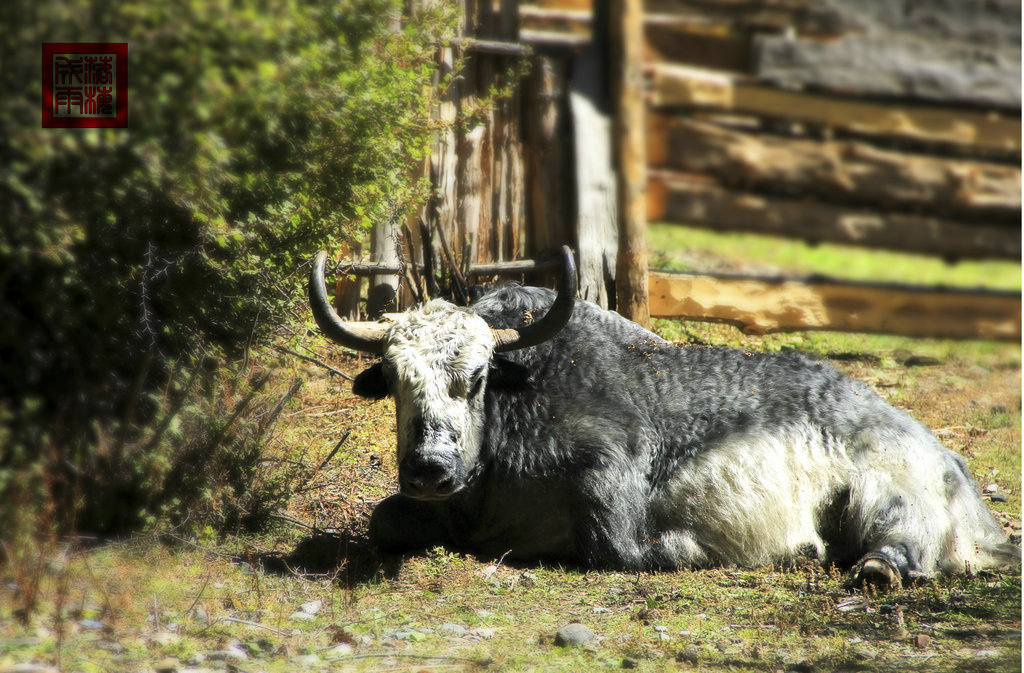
[(430, 476)]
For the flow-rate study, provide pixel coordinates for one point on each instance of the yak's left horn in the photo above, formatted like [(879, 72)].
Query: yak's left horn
[(369, 340), (553, 321)]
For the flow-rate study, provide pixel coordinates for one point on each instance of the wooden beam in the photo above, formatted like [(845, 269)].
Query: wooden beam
[(848, 172), (898, 65), (626, 21), (697, 201), (512, 268), (685, 39), (763, 306), (961, 129)]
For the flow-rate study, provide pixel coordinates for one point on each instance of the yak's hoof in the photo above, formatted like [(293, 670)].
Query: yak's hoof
[(877, 573)]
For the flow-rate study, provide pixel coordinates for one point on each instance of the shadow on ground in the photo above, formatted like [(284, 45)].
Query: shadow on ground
[(345, 558)]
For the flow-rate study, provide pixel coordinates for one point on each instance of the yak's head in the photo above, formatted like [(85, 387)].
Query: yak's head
[(437, 362)]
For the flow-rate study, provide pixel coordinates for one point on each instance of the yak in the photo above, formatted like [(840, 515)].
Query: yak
[(541, 426)]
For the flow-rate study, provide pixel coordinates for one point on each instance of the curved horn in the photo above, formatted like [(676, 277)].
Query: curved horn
[(330, 323), (552, 322)]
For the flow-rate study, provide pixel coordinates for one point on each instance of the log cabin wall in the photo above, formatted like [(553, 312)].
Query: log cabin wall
[(881, 123)]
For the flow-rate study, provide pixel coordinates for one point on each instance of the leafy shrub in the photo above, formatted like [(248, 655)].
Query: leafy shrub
[(137, 267)]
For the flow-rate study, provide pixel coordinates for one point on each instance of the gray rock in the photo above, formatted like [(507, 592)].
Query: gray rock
[(307, 660), (690, 655), (453, 629), (574, 635), (340, 650), (312, 607), (232, 653)]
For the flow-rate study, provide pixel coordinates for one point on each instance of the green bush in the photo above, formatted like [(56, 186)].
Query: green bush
[(132, 261)]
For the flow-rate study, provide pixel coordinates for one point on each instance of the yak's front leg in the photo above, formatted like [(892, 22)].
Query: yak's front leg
[(400, 523), (611, 522)]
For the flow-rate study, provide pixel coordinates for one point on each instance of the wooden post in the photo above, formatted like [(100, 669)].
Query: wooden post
[(625, 28), (596, 188), (382, 296)]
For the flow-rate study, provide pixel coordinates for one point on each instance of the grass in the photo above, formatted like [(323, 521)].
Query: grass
[(206, 603), (679, 248)]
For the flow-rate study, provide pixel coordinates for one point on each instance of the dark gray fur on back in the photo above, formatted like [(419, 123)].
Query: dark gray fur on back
[(604, 375)]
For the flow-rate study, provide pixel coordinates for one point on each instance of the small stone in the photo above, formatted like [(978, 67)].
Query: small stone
[(340, 650), (998, 497), (312, 607), (991, 488), (167, 665), (900, 634), (922, 640), (307, 660), (573, 635), (232, 653), (300, 616), (601, 611), (864, 653), (91, 624), (660, 628), (689, 655), (453, 629)]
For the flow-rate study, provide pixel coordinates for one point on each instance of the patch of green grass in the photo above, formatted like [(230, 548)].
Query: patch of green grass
[(679, 248)]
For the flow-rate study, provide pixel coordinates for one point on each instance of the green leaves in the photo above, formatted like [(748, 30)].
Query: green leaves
[(258, 134)]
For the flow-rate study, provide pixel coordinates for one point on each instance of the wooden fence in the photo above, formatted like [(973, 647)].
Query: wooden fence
[(881, 123)]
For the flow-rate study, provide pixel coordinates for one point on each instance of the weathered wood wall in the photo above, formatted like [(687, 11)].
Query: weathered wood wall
[(880, 123)]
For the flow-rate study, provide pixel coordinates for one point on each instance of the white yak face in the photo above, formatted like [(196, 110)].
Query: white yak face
[(436, 361)]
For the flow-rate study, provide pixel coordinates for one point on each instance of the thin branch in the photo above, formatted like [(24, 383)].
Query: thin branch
[(321, 363), (334, 451)]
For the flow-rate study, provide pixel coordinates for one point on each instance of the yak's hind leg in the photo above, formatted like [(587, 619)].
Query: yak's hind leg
[(400, 524)]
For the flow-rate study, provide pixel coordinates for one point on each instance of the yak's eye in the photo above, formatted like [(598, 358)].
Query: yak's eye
[(477, 385)]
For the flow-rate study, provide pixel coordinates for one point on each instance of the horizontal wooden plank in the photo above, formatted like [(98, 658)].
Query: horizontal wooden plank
[(989, 22), (848, 172), (666, 38), (894, 65), (699, 202), (762, 306), (670, 39), (512, 268), (965, 130), (805, 17)]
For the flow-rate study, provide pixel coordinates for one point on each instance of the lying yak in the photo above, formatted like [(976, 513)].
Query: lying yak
[(548, 428)]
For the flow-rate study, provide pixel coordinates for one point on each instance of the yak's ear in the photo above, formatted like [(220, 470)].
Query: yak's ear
[(507, 375), (371, 384)]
